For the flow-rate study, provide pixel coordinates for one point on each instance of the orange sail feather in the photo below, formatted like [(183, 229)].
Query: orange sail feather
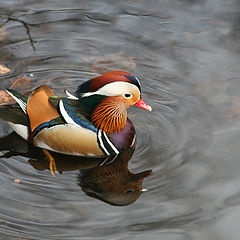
[(39, 109)]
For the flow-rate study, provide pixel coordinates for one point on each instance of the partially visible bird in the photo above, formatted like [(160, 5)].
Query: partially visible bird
[(91, 123), (114, 183)]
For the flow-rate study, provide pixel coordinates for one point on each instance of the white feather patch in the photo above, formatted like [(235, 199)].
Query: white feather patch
[(21, 103), (21, 130), (65, 115), (70, 96), (114, 89)]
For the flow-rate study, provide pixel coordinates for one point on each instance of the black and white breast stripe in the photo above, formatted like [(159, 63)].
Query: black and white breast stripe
[(105, 144)]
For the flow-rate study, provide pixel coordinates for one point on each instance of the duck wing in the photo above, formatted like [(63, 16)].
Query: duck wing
[(74, 111), (13, 113)]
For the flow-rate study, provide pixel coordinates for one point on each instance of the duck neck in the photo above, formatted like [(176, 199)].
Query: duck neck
[(110, 115)]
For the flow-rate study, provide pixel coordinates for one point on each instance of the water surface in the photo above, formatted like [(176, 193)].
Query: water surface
[(186, 55)]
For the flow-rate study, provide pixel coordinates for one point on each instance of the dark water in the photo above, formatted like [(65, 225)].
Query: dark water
[(187, 55)]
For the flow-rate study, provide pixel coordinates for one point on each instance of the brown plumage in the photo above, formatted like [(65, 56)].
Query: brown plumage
[(110, 115)]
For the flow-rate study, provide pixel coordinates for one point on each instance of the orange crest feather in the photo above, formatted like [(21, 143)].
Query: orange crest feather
[(110, 115)]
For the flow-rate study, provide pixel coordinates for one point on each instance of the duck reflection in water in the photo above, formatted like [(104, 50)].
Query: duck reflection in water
[(114, 183), (105, 179)]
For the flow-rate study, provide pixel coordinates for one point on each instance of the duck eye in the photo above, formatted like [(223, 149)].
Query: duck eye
[(129, 191), (127, 95)]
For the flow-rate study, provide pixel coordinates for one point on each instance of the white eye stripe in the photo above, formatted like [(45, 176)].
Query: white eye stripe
[(114, 89)]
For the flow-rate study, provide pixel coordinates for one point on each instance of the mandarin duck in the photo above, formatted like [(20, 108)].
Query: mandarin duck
[(93, 122)]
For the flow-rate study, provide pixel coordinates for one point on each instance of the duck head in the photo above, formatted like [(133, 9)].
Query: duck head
[(112, 94)]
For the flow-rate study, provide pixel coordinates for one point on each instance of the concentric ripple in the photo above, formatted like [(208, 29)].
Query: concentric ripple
[(186, 55)]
